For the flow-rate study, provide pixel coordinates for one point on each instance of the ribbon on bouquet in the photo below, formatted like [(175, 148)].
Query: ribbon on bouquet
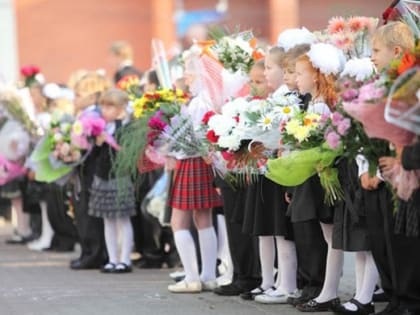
[(9, 170)]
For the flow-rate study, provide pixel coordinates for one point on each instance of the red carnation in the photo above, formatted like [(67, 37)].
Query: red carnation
[(227, 155), (212, 137), (207, 117), (29, 71)]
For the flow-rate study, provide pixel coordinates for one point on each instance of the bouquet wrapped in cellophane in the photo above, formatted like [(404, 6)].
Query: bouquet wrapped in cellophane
[(307, 155)]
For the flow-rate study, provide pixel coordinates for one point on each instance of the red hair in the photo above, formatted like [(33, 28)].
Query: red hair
[(325, 84)]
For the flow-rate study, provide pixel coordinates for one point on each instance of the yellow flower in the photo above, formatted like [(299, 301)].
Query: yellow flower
[(78, 128), (302, 133), (292, 126)]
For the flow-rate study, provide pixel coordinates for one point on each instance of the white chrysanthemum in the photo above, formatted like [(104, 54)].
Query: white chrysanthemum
[(327, 58), (235, 107), (293, 37), (221, 125), (231, 142), (360, 69)]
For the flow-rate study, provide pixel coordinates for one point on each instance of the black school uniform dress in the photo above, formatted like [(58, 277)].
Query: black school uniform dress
[(243, 247), (90, 229), (350, 228), (265, 210), (107, 200), (306, 210), (406, 242)]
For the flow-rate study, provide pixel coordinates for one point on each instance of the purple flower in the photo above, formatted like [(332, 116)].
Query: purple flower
[(156, 122), (343, 126), (349, 95), (336, 118), (370, 92), (333, 140)]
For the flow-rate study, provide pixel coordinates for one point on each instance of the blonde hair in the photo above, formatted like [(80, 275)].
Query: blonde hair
[(114, 97), (92, 83), (395, 34), (122, 49), (277, 54), (325, 84), (292, 55), (75, 76), (259, 64)]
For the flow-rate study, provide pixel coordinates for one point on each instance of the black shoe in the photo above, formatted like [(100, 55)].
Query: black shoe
[(229, 290), (250, 295), (380, 297), (82, 265), (122, 268), (362, 309), (108, 268), (145, 263), (294, 301), (18, 239), (313, 306)]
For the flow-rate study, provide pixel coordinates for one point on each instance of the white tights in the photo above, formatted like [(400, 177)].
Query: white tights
[(119, 227)]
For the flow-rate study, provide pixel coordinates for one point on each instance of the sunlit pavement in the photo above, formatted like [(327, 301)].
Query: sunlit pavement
[(41, 283)]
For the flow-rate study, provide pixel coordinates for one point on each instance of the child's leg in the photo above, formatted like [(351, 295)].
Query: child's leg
[(23, 226), (111, 239), (208, 243), (335, 260), (184, 243), (370, 278), (47, 231), (223, 246), (126, 231), (287, 265), (267, 261)]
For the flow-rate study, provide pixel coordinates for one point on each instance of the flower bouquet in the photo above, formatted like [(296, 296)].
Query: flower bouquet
[(238, 52), (180, 139), (308, 155), (351, 35), (151, 112), (9, 170), (368, 108), (131, 85), (67, 143)]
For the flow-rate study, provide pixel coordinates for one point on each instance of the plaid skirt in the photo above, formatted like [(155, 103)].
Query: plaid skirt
[(193, 188)]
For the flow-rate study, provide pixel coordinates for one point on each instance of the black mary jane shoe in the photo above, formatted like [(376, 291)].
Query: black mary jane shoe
[(108, 268), (122, 268), (362, 309), (250, 295), (313, 306)]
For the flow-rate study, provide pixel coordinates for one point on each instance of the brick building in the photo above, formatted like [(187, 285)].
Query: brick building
[(61, 36)]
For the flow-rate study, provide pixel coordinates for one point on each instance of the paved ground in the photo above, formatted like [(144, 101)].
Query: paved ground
[(41, 284)]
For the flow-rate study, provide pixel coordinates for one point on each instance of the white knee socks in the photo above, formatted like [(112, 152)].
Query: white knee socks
[(335, 260), (126, 231), (208, 250), (267, 261), (186, 250), (111, 239), (47, 232), (370, 278), (223, 252), (287, 265), (22, 219), (367, 277)]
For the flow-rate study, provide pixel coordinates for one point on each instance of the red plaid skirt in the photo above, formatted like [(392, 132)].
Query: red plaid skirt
[(193, 186)]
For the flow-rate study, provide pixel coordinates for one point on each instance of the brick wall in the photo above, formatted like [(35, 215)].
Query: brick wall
[(61, 36)]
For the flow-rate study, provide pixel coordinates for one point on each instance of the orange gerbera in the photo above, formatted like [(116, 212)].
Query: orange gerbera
[(408, 61)]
